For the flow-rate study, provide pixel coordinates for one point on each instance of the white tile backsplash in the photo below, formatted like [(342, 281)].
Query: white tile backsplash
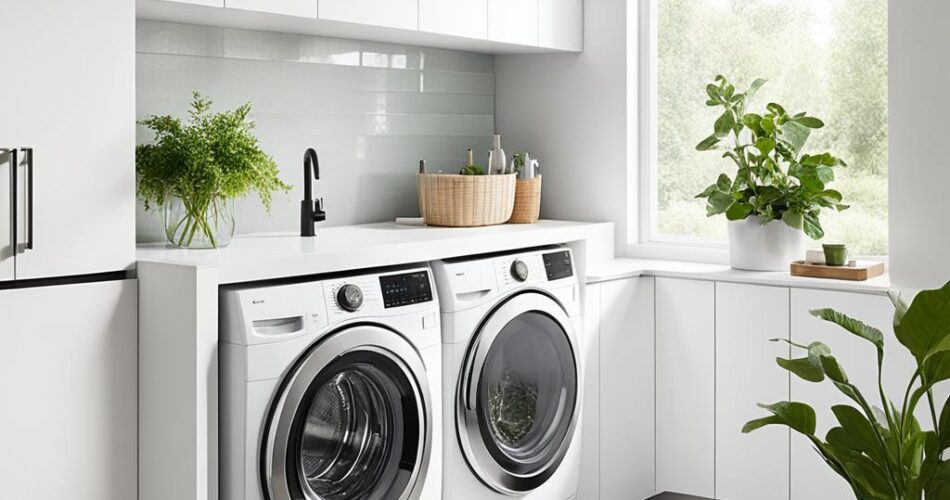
[(370, 110)]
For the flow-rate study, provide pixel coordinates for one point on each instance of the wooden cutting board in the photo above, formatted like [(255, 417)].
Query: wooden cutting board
[(855, 270)]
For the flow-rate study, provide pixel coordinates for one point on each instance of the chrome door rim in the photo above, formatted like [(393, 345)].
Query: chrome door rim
[(361, 338), (473, 445)]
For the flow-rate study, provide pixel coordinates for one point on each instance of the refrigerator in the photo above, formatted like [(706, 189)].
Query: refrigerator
[(68, 297)]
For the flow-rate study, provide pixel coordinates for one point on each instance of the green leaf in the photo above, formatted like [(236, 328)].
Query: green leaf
[(724, 183), (831, 195), (738, 211), (857, 327), (708, 143), (935, 369), (713, 92), (708, 191), (939, 487), (833, 370), (857, 433), (724, 124), (812, 226), (793, 219), (925, 327), (795, 136), (797, 416), (717, 203), (767, 125), (765, 146), (944, 425), (804, 368), (756, 85), (810, 122), (775, 108)]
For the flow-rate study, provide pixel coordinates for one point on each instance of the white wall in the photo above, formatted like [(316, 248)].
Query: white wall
[(570, 110), (371, 110), (918, 101)]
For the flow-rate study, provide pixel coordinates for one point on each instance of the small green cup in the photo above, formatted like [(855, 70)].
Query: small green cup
[(835, 255)]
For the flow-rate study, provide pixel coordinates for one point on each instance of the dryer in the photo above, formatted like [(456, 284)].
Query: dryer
[(512, 375), (331, 389)]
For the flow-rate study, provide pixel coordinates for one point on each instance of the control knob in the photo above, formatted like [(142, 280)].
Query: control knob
[(349, 298), (519, 270)]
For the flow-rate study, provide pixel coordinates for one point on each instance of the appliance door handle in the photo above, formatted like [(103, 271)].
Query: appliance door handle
[(14, 202), (28, 156)]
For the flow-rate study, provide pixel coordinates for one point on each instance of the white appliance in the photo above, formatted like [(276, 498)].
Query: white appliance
[(68, 311), (331, 389), (512, 375)]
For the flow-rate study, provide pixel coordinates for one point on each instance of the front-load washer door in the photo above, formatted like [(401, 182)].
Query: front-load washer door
[(352, 421), (518, 396)]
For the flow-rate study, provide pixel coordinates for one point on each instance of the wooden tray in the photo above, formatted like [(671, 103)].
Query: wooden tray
[(859, 270)]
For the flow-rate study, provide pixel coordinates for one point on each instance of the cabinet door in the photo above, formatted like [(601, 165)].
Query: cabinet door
[(463, 18), (513, 21), (561, 24), (811, 477), (685, 386), (208, 3), (750, 466), (300, 8), (589, 485), (71, 82), (6, 214), (68, 381), (403, 14), (627, 385)]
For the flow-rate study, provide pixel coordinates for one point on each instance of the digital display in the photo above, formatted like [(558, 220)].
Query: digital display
[(405, 289), (557, 265)]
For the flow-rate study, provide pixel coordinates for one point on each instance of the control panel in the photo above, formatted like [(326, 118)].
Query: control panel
[(557, 265), (405, 289)]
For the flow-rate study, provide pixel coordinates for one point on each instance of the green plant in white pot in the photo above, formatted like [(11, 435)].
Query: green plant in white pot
[(777, 193), (195, 170), (881, 450)]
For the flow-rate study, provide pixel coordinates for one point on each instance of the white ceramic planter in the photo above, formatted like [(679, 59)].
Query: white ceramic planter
[(771, 247)]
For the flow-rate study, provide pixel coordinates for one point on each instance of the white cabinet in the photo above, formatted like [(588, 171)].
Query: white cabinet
[(811, 478), (750, 466), (462, 18), (68, 383), (627, 390), (300, 8), (71, 84), (685, 386), (403, 14), (589, 482), (560, 24), (513, 21)]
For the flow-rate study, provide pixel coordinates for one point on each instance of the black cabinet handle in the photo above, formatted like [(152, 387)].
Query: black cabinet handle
[(28, 156), (14, 203)]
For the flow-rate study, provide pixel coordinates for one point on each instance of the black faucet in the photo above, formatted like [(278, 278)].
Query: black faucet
[(310, 211)]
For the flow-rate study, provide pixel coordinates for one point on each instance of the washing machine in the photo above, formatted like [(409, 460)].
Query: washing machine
[(331, 389), (512, 375)]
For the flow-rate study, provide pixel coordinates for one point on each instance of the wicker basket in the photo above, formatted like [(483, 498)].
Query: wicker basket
[(527, 201), (465, 200)]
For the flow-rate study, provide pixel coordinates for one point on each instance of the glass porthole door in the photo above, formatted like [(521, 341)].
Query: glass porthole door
[(351, 422), (519, 394)]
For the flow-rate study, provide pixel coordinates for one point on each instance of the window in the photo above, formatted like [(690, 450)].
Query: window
[(826, 57)]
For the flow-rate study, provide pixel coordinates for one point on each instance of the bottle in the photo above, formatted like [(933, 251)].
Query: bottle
[(497, 163)]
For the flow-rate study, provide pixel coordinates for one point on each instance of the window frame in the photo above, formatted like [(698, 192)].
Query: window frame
[(643, 241)]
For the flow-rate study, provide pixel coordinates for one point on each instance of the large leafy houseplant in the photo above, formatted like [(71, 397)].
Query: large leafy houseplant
[(193, 169), (775, 179), (882, 452)]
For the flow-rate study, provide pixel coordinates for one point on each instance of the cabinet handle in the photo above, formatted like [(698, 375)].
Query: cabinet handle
[(14, 203), (28, 156)]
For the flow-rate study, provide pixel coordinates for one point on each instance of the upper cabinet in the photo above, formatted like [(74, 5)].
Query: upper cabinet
[(300, 8), (462, 18), (513, 21), (402, 14), (561, 24), (486, 26)]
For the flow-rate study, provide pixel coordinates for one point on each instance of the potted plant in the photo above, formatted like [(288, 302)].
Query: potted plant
[(778, 191), (194, 170), (882, 452)]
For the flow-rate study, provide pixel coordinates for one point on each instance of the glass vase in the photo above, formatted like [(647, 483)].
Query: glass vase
[(202, 223)]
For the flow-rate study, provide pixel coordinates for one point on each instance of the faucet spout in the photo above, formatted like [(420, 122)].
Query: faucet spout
[(310, 211)]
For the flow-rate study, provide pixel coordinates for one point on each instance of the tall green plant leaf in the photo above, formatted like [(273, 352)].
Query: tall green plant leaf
[(925, 327), (866, 332), (797, 416)]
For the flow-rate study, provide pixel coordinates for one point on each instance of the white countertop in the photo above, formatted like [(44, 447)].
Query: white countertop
[(625, 268), (342, 248)]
